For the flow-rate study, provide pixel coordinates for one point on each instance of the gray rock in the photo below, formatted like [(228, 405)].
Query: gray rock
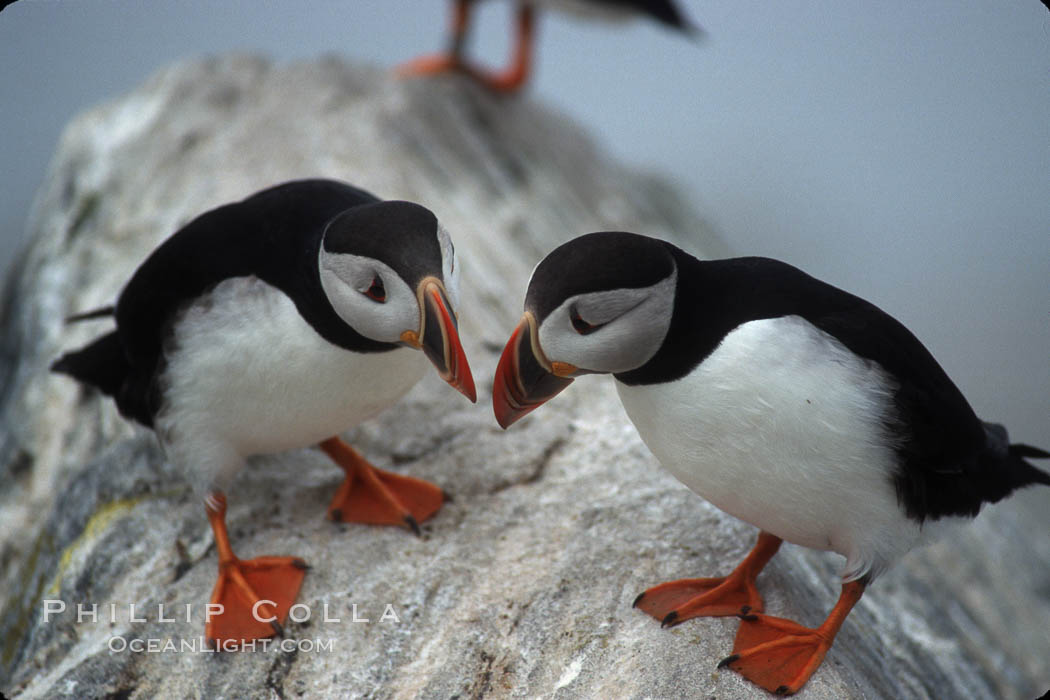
[(522, 587)]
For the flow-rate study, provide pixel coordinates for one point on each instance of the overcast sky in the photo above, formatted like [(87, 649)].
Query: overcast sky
[(899, 149)]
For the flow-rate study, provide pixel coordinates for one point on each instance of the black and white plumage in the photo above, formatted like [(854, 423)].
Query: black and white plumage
[(786, 402), (274, 287), (278, 322)]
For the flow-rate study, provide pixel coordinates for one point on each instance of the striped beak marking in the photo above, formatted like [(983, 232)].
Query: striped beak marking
[(438, 337), (525, 379)]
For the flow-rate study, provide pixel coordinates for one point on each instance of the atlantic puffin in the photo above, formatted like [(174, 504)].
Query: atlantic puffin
[(515, 76), (784, 401), (274, 323)]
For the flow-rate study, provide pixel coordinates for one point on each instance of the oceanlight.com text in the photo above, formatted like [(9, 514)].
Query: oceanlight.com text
[(139, 645)]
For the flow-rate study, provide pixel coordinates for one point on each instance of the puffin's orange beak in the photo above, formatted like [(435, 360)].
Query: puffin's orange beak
[(525, 380), (438, 337)]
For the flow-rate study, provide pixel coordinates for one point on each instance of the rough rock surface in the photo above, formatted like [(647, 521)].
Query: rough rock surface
[(522, 587)]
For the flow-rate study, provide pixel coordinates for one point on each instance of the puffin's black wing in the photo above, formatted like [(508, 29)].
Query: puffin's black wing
[(949, 461), (945, 467), (273, 234), (268, 235)]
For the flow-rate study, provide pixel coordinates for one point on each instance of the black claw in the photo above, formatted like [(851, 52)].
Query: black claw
[(746, 614), (638, 599), (782, 690), (337, 515), (447, 496), (669, 619), (728, 660), (413, 525), (300, 564), (277, 627)]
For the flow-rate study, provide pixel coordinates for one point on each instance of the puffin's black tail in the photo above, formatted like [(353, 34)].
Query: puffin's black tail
[(665, 11), (100, 364), (1009, 464), (1018, 452), (88, 315)]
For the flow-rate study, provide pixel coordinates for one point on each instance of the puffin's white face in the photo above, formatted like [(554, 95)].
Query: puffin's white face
[(373, 299), (611, 331), (385, 278), (599, 303), (369, 296)]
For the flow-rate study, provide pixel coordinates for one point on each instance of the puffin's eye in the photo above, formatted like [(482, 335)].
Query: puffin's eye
[(376, 291), (581, 326)]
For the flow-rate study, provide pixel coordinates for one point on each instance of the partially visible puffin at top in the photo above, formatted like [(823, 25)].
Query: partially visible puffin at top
[(514, 77), (790, 404), (275, 323)]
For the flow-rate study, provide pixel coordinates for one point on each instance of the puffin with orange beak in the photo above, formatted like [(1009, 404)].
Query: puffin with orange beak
[(790, 404), (275, 323)]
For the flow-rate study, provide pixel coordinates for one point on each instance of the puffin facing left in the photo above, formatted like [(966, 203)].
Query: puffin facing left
[(786, 402), (275, 323)]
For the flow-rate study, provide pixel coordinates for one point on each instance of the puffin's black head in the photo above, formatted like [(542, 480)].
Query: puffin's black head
[(599, 303), (389, 271)]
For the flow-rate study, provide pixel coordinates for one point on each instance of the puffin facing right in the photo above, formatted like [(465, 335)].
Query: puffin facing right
[(786, 402), (274, 323)]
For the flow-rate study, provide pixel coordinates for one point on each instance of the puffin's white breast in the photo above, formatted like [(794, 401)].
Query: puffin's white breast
[(783, 427), (248, 371)]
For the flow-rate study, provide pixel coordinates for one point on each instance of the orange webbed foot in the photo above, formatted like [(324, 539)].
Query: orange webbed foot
[(506, 82), (780, 655), (378, 497), (777, 654), (444, 62), (255, 595), (677, 601), (386, 499), (431, 65)]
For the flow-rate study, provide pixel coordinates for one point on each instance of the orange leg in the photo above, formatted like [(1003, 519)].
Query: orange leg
[(781, 655), (507, 81), (371, 495), (515, 76), (255, 594), (677, 601)]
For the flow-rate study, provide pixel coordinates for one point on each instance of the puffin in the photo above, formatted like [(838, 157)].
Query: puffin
[(515, 76), (788, 403), (274, 323)]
